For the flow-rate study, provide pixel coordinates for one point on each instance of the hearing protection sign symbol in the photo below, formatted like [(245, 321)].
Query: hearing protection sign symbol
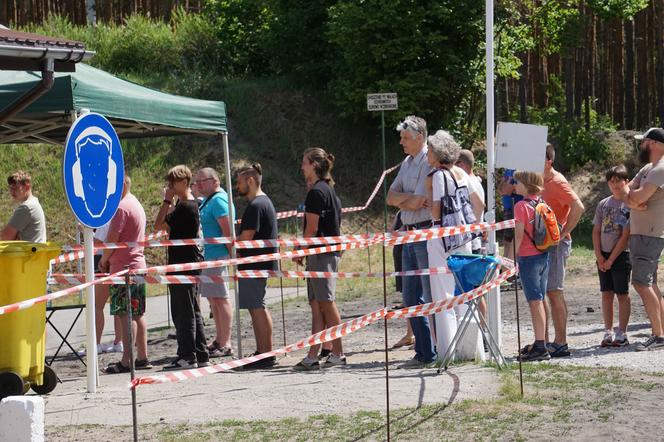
[(93, 170)]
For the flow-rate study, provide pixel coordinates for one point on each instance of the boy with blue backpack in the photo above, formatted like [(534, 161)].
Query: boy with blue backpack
[(610, 238)]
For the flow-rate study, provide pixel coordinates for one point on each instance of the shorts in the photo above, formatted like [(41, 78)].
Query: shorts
[(215, 289), (508, 234), (644, 252), (252, 292), (322, 289), (533, 273), (616, 279), (119, 299), (557, 262)]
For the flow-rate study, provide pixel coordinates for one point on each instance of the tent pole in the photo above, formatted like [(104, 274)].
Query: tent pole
[(494, 295), (231, 212)]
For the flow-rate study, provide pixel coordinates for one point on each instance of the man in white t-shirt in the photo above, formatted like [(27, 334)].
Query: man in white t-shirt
[(466, 162)]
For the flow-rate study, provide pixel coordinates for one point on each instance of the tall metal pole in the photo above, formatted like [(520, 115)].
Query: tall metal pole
[(493, 299), (387, 354), (231, 213), (90, 325)]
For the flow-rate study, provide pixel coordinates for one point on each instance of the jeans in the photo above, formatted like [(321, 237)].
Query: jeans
[(416, 290), (533, 272), (188, 322)]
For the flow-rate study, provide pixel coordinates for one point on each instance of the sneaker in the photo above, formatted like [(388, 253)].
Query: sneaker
[(307, 364), (535, 355), (416, 363), (607, 340), (181, 364), (324, 353), (202, 364), (620, 340), (653, 343), (260, 364), (113, 347), (334, 361), (217, 351)]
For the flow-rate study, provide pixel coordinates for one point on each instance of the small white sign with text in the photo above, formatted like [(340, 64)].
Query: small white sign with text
[(382, 102)]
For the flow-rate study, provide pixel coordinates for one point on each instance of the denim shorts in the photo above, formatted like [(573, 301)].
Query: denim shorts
[(533, 272)]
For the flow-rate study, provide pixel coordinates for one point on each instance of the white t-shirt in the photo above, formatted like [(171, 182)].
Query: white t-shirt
[(475, 186)]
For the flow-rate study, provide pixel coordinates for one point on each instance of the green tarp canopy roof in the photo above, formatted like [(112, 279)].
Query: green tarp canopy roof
[(135, 111)]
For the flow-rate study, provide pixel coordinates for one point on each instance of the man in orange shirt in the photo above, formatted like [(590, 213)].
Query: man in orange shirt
[(560, 196)]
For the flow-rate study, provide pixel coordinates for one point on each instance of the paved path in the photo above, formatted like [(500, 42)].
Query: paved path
[(157, 316)]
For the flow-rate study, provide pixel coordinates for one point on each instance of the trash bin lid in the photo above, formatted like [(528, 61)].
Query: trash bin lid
[(21, 248)]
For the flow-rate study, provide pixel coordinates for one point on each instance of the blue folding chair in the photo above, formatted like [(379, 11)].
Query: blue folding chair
[(471, 271)]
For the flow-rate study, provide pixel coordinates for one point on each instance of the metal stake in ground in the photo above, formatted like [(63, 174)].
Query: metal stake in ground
[(366, 225), (281, 289), (383, 102), (131, 357), (518, 325)]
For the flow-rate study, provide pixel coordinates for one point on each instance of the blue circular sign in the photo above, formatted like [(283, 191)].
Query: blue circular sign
[(93, 170)]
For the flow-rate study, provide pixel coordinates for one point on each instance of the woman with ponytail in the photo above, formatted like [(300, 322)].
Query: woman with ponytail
[(322, 217)]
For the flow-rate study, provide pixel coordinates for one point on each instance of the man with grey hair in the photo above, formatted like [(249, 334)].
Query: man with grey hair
[(408, 193)]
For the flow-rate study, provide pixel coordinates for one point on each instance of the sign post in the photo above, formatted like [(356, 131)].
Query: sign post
[(93, 175), (383, 102)]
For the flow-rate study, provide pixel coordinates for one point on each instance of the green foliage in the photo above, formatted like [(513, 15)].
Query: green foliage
[(295, 22), (559, 24), (144, 46), (577, 145), (242, 28), (621, 9), (420, 50)]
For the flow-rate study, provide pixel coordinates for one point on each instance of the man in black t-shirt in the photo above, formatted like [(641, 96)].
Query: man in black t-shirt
[(182, 221), (259, 221)]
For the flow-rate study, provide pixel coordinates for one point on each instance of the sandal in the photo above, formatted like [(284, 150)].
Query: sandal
[(405, 341), (558, 350), (142, 364), (116, 367)]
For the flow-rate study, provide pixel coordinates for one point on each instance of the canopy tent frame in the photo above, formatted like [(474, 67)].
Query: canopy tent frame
[(48, 119)]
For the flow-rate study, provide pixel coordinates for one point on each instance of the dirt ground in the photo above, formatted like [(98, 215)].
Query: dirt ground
[(73, 414)]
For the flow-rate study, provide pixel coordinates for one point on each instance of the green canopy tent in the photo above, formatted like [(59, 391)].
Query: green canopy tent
[(135, 112)]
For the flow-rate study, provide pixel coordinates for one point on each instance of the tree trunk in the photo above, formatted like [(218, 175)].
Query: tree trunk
[(642, 105), (568, 68), (659, 41), (523, 81), (629, 75)]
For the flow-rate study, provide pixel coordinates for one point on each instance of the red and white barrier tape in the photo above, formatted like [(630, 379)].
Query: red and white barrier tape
[(76, 252), (329, 334), (63, 278), (22, 305), (69, 278), (253, 259), (392, 238)]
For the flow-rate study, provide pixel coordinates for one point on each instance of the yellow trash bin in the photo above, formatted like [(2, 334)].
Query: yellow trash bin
[(23, 272)]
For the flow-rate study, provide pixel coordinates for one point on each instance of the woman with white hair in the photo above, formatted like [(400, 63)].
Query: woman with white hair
[(447, 180)]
